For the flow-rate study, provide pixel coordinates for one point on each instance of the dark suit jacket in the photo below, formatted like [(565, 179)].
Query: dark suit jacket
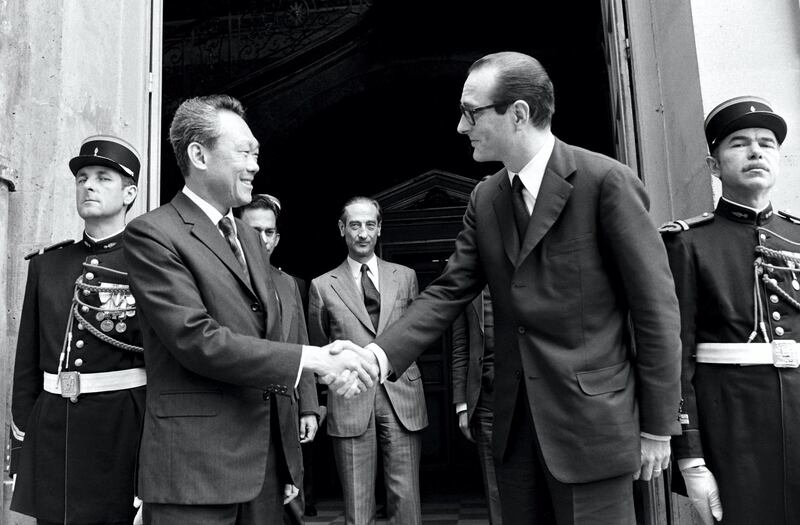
[(210, 369), (591, 258), (468, 347)]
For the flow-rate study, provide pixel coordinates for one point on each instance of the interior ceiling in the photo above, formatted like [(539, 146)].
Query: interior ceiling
[(373, 101)]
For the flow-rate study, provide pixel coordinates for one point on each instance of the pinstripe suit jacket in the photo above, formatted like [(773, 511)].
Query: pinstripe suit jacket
[(336, 311)]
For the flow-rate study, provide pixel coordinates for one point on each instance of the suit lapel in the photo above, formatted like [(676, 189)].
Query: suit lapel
[(553, 195), (387, 277), (207, 233), (505, 217), (344, 286), (285, 300)]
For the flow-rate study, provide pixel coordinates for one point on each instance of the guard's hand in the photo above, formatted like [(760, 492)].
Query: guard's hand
[(463, 424), (703, 493), (308, 428), (655, 458), (289, 493)]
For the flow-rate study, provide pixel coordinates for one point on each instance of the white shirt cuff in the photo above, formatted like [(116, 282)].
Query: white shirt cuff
[(302, 364), (654, 437), (383, 361), (461, 407), (687, 463)]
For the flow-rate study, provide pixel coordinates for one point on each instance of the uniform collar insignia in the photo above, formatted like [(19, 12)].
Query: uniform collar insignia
[(739, 213)]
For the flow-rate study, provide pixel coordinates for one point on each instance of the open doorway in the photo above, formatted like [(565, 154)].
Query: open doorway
[(353, 97)]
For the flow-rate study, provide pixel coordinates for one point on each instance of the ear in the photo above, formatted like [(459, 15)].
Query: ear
[(130, 194), (378, 230), (197, 155), (341, 228), (713, 165), (521, 112)]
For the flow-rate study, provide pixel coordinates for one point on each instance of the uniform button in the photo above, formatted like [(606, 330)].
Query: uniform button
[(776, 316), (94, 262), (79, 343), (265, 396), (254, 307), (79, 362), (763, 237), (87, 292), (80, 326), (773, 299), (778, 331), (517, 374), (89, 276), (84, 309), (521, 329)]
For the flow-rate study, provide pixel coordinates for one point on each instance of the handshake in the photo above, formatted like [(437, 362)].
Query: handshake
[(345, 367)]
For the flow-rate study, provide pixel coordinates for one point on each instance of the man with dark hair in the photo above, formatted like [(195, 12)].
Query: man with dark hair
[(217, 347), (356, 301), (78, 397), (583, 398), (262, 214), (736, 278)]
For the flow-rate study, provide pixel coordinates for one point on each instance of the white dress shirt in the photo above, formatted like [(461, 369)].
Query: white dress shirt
[(355, 271), (532, 173)]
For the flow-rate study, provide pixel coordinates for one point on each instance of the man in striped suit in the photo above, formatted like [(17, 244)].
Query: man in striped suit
[(356, 301)]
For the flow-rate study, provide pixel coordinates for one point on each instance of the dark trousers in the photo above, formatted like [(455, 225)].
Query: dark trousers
[(530, 495), (481, 426)]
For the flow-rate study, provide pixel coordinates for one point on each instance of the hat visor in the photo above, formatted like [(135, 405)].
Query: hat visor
[(757, 119), (76, 163)]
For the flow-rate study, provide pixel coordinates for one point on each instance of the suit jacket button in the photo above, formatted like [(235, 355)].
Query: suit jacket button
[(254, 307), (265, 396), (521, 329), (517, 373)]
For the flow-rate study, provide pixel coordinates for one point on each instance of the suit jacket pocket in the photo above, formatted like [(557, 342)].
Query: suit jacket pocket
[(572, 245), (604, 380), (413, 373), (188, 404)]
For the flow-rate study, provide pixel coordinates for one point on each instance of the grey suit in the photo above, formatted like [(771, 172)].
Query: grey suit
[(391, 413)]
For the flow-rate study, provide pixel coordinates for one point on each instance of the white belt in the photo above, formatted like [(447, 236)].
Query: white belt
[(93, 383), (779, 353)]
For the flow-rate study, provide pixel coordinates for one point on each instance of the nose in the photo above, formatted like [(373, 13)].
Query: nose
[(756, 152), (252, 164), (463, 126)]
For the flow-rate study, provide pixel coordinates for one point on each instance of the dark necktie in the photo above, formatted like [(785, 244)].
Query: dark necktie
[(226, 227), (372, 299), (521, 215)]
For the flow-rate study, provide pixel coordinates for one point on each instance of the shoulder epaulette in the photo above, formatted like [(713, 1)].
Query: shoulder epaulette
[(789, 217), (48, 248), (682, 225)]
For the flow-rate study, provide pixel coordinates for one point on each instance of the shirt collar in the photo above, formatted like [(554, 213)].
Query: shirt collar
[(107, 237), (106, 243), (532, 173), (355, 267), (210, 211), (741, 213)]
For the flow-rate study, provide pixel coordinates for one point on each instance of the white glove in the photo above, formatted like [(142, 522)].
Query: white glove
[(703, 493)]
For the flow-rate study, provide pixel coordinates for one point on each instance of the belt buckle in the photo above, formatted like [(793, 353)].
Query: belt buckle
[(785, 353), (70, 383)]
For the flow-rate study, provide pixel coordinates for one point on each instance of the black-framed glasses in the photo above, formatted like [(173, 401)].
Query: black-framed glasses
[(469, 113)]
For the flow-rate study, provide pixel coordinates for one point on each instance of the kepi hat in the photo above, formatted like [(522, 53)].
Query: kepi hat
[(110, 151), (740, 113)]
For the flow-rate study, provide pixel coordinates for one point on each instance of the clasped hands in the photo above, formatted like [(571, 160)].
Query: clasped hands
[(345, 367)]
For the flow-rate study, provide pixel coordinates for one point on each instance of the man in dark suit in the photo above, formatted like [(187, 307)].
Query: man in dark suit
[(473, 379), (355, 301), (562, 236), (217, 351), (263, 214)]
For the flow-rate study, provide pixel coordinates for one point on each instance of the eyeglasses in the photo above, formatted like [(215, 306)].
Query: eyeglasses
[(469, 113)]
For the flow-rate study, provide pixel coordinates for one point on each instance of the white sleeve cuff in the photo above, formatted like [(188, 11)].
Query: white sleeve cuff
[(654, 437), (461, 407), (302, 364), (383, 361)]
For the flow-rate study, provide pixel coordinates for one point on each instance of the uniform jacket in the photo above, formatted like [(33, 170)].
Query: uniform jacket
[(468, 349), (97, 436), (591, 258), (216, 351), (337, 311)]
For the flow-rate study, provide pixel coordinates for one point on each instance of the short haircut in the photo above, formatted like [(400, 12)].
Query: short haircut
[(196, 120), (262, 201), (521, 77), (354, 200)]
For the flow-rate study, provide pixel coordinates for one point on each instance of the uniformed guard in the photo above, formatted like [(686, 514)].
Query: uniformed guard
[(737, 277), (79, 378)]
